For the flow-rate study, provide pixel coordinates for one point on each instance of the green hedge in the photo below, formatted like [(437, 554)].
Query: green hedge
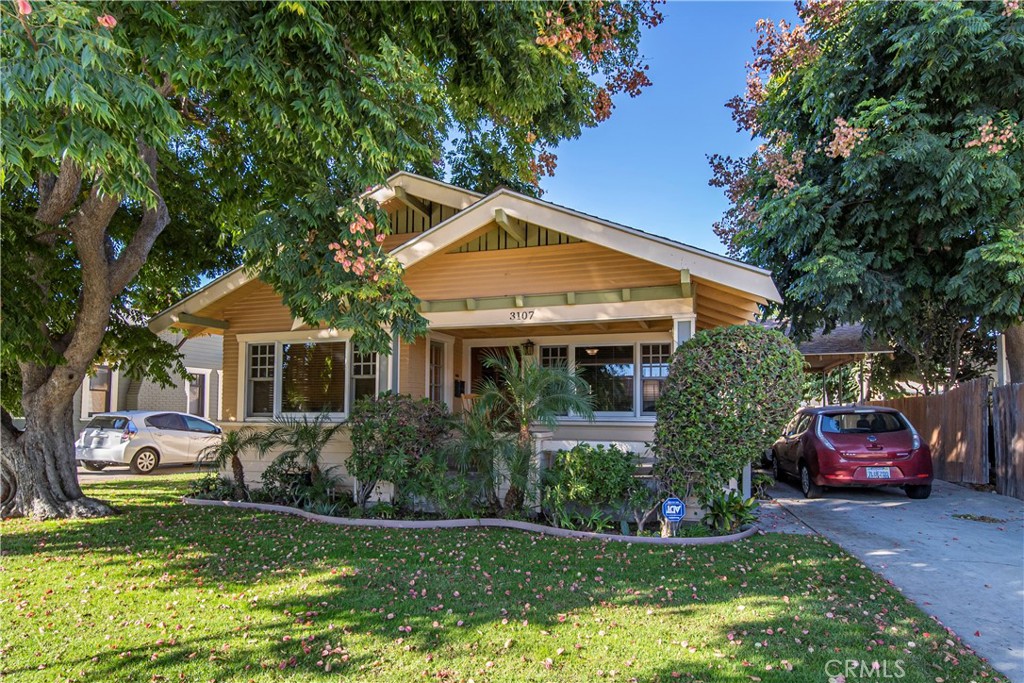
[(729, 393)]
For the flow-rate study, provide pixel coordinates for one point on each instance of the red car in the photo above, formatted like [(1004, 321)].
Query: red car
[(853, 446)]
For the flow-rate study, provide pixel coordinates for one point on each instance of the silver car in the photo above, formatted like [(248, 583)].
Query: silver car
[(143, 439)]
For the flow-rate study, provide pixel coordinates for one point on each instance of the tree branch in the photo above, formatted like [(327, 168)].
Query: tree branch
[(153, 222), (57, 195), (89, 236)]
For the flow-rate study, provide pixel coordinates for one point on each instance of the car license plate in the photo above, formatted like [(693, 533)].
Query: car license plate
[(878, 472)]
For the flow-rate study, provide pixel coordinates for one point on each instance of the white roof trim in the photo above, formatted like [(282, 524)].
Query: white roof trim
[(665, 252), (427, 188), (201, 298)]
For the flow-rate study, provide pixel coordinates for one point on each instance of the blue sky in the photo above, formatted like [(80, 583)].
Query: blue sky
[(645, 167)]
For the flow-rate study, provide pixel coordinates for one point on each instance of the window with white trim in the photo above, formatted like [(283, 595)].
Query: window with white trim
[(364, 375), (260, 384), (435, 373), (313, 377), (625, 379), (554, 356), (611, 373), (98, 397), (654, 364), (306, 377), (197, 394)]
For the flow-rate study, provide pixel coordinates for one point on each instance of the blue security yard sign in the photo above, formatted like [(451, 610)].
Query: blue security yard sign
[(673, 509)]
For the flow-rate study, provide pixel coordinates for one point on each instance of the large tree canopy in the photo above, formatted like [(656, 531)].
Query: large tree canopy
[(146, 145), (889, 188)]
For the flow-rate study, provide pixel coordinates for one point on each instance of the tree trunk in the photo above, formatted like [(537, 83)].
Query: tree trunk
[(39, 475), (1014, 337), (40, 478), (514, 498), (238, 473)]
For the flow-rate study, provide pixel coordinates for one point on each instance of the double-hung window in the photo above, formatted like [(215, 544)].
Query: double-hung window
[(654, 363), (306, 377), (364, 375), (260, 385), (625, 379)]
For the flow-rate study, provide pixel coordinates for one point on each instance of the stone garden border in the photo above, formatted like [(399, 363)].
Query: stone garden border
[(470, 523)]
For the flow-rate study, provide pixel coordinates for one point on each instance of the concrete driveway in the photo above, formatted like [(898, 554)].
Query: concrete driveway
[(967, 573)]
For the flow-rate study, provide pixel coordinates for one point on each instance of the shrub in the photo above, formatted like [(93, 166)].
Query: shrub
[(589, 476), (726, 512), (391, 435), (729, 392), (211, 486), (283, 479)]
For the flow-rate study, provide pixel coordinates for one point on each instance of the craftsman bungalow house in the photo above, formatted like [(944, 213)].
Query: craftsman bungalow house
[(491, 271)]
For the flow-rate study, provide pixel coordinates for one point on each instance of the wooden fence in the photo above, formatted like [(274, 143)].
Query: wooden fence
[(955, 425), (1008, 433)]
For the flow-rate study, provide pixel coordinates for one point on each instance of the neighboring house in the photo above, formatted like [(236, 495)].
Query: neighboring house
[(108, 390), (491, 271)]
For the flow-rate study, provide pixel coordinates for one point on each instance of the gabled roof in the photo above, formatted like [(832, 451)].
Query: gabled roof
[(475, 210), (419, 186), (653, 248)]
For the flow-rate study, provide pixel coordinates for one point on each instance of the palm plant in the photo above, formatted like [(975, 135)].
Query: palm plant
[(477, 452), (303, 439), (523, 394), (232, 445)]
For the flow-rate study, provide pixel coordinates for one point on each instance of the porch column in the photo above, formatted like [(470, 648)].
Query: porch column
[(396, 350)]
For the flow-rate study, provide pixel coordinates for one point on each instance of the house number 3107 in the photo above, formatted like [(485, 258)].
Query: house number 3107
[(521, 315)]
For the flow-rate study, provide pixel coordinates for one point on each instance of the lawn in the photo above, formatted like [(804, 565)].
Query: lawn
[(172, 592)]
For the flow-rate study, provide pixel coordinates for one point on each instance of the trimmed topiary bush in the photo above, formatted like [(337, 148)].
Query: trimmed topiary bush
[(729, 393)]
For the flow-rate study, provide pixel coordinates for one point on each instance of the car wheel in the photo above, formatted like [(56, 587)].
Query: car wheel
[(777, 473), (918, 492), (94, 466), (807, 485), (145, 461)]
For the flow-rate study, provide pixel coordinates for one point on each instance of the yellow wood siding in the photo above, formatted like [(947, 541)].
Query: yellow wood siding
[(535, 270), (412, 373), (254, 308)]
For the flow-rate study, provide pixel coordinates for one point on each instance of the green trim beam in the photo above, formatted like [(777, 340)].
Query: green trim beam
[(605, 296), (189, 319)]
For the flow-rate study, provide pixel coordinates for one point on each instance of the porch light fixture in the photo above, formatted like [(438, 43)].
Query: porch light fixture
[(528, 347), (591, 352)]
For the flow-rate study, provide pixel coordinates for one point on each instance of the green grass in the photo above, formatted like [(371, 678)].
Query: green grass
[(173, 592)]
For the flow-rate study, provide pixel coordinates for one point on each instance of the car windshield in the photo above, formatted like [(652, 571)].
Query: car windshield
[(108, 422), (862, 422)]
